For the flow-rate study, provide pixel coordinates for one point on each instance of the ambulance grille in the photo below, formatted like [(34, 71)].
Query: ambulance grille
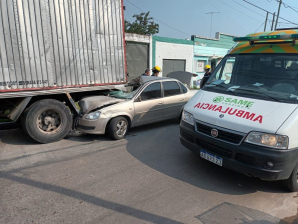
[(224, 135)]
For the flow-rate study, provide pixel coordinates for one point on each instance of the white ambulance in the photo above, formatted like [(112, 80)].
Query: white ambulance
[(246, 118)]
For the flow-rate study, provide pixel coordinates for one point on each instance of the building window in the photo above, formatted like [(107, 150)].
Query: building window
[(200, 66)]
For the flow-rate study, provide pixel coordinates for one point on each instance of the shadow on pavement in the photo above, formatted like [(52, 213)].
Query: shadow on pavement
[(16, 137), (174, 160), (158, 146), (236, 215), (124, 209)]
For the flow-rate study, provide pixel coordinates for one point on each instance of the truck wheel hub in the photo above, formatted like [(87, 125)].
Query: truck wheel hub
[(49, 122)]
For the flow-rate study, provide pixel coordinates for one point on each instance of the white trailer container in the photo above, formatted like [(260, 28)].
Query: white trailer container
[(54, 51)]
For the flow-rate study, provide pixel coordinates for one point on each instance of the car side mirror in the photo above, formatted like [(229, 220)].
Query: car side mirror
[(138, 99)]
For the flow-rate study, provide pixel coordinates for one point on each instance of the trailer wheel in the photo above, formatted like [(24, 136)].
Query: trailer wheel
[(23, 119), (292, 182), (47, 121), (117, 128)]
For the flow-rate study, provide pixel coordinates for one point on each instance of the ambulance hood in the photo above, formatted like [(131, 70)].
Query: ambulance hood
[(239, 113)]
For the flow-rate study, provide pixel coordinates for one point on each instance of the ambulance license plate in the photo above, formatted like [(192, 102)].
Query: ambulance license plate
[(210, 157)]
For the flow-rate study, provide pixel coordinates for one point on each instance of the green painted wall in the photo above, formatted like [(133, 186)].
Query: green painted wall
[(172, 40), (225, 41)]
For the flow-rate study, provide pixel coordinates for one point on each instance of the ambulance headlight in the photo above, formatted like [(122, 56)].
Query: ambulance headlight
[(187, 117), (272, 141), (93, 116)]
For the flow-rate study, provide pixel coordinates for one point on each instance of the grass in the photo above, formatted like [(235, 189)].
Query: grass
[(195, 87)]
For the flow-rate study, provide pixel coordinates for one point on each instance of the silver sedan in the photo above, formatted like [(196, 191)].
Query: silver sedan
[(155, 100)]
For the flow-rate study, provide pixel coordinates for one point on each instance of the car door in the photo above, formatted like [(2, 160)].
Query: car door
[(174, 99), (148, 105)]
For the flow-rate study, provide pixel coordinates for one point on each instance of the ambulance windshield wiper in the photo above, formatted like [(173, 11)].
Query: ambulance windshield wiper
[(261, 93), (220, 85)]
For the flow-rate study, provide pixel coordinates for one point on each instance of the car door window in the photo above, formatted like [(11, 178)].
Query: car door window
[(184, 89), (171, 88), (153, 91)]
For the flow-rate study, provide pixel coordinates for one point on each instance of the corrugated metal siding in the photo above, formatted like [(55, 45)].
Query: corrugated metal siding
[(60, 43)]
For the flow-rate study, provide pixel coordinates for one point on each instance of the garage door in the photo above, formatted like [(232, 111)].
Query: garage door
[(137, 58), (172, 65)]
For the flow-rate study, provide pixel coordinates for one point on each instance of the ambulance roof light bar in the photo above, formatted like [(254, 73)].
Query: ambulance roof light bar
[(267, 37)]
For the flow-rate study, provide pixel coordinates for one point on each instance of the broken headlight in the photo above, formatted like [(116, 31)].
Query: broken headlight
[(93, 116)]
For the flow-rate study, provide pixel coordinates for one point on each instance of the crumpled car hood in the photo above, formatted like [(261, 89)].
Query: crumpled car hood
[(91, 103)]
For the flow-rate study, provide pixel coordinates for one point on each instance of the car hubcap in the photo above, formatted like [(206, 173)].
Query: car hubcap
[(48, 122), (121, 128)]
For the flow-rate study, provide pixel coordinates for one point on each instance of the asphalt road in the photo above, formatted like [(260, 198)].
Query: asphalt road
[(149, 177)]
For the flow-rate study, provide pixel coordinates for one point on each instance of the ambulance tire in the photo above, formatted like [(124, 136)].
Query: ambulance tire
[(292, 182)]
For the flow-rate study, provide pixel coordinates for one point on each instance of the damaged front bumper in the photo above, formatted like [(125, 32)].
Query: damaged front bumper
[(92, 126)]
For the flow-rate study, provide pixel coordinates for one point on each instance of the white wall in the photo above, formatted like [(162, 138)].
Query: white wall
[(174, 51), (138, 38)]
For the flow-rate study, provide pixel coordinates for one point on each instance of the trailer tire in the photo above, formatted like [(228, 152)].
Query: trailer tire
[(23, 119), (47, 121), (292, 182)]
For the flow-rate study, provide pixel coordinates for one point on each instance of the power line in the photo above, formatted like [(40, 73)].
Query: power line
[(284, 23), (288, 21), (240, 11), (248, 8), (287, 6), (260, 27), (257, 6), (227, 16), (159, 20), (269, 12)]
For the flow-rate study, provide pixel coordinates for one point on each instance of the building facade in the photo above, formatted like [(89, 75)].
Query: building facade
[(210, 51), (171, 54)]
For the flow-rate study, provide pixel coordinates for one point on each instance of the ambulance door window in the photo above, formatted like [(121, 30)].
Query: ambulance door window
[(225, 71)]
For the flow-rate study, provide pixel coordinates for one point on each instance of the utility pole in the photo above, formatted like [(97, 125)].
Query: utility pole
[(266, 22), (273, 21), (280, 1), (211, 13)]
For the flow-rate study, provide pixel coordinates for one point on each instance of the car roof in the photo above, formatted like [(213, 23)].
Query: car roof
[(147, 79)]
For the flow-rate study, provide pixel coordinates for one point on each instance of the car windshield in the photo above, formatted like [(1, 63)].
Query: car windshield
[(122, 95), (272, 77)]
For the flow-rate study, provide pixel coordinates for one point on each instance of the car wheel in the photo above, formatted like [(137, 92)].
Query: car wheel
[(117, 128), (292, 182)]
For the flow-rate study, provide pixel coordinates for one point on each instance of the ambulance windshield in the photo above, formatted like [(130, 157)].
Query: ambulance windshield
[(272, 77)]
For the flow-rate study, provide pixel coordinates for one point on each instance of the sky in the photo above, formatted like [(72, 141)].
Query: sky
[(183, 18)]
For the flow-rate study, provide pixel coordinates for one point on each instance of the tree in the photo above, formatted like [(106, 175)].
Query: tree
[(143, 24)]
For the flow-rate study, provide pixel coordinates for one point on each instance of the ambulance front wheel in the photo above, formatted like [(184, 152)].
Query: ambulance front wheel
[(292, 182)]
